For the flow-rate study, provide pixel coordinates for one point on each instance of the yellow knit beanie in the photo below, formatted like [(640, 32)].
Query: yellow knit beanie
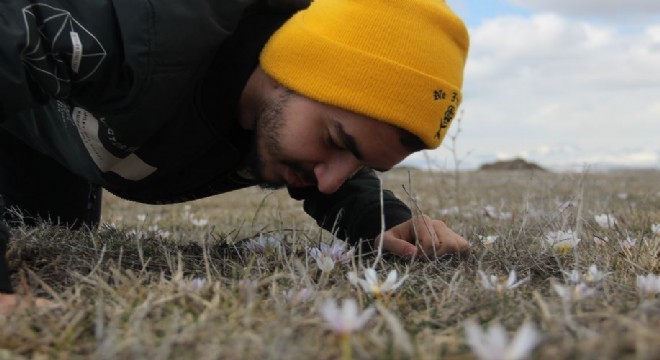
[(397, 61)]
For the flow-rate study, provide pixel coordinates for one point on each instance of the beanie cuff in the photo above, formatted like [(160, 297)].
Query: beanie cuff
[(343, 76)]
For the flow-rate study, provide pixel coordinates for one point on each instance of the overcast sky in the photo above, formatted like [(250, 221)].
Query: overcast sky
[(564, 83)]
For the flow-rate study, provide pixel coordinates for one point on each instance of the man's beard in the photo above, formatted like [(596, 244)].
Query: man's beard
[(269, 125)]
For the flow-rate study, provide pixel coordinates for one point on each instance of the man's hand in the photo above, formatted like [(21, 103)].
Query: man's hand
[(433, 239), (9, 302)]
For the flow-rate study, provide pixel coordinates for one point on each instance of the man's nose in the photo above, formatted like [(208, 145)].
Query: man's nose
[(332, 174)]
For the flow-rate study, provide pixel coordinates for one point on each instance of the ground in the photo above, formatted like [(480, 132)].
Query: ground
[(181, 281)]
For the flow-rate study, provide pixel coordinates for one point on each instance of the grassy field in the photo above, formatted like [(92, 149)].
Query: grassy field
[(181, 281)]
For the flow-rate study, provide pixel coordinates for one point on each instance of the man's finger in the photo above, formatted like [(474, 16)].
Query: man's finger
[(397, 246), (10, 302), (454, 243)]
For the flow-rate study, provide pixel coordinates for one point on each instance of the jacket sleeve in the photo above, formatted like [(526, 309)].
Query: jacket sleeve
[(353, 212), (101, 55), (17, 90), (58, 50)]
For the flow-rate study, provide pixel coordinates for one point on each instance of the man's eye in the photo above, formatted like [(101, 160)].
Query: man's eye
[(333, 144)]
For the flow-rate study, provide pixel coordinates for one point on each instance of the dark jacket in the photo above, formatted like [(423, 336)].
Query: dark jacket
[(124, 93)]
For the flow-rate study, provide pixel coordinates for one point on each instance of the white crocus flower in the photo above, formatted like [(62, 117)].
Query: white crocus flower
[(347, 318), (628, 243), (199, 222), (649, 284), (141, 217), (494, 343), (488, 240), (572, 276), (325, 263), (194, 285), (593, 275), (156, 231), (265, 244), (339, 251), (197, 283), (573, 293), (137, 234), (372, 284), (163, 234), (299, 296), (450, 211), (605, 221), (655, 229), (562, 241), (327, 256), (501, 284), (490, 211)]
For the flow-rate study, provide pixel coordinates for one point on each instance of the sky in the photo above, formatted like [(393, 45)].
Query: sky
[(567, 84)]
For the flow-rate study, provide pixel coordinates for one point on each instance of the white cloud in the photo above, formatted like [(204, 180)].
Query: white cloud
[(653, 33), (633, 159), (549, 50), (560, 91), (604, 8)]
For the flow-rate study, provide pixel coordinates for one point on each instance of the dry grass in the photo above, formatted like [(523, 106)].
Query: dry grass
[(125, 291)]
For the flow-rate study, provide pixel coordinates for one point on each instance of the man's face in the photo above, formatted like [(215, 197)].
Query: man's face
[(300, 142)]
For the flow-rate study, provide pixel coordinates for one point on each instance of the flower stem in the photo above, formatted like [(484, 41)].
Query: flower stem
[(346, 349)]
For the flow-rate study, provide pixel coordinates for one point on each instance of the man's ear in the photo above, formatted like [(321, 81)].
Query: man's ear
[(289, 4)]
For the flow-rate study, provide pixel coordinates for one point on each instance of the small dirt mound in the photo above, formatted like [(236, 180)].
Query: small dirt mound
[(515, 164)]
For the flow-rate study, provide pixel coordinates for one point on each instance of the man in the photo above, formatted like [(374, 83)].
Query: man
[(165, 101)]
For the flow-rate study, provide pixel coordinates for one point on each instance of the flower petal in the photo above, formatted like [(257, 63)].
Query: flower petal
[(476, 339), (526, 338)]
